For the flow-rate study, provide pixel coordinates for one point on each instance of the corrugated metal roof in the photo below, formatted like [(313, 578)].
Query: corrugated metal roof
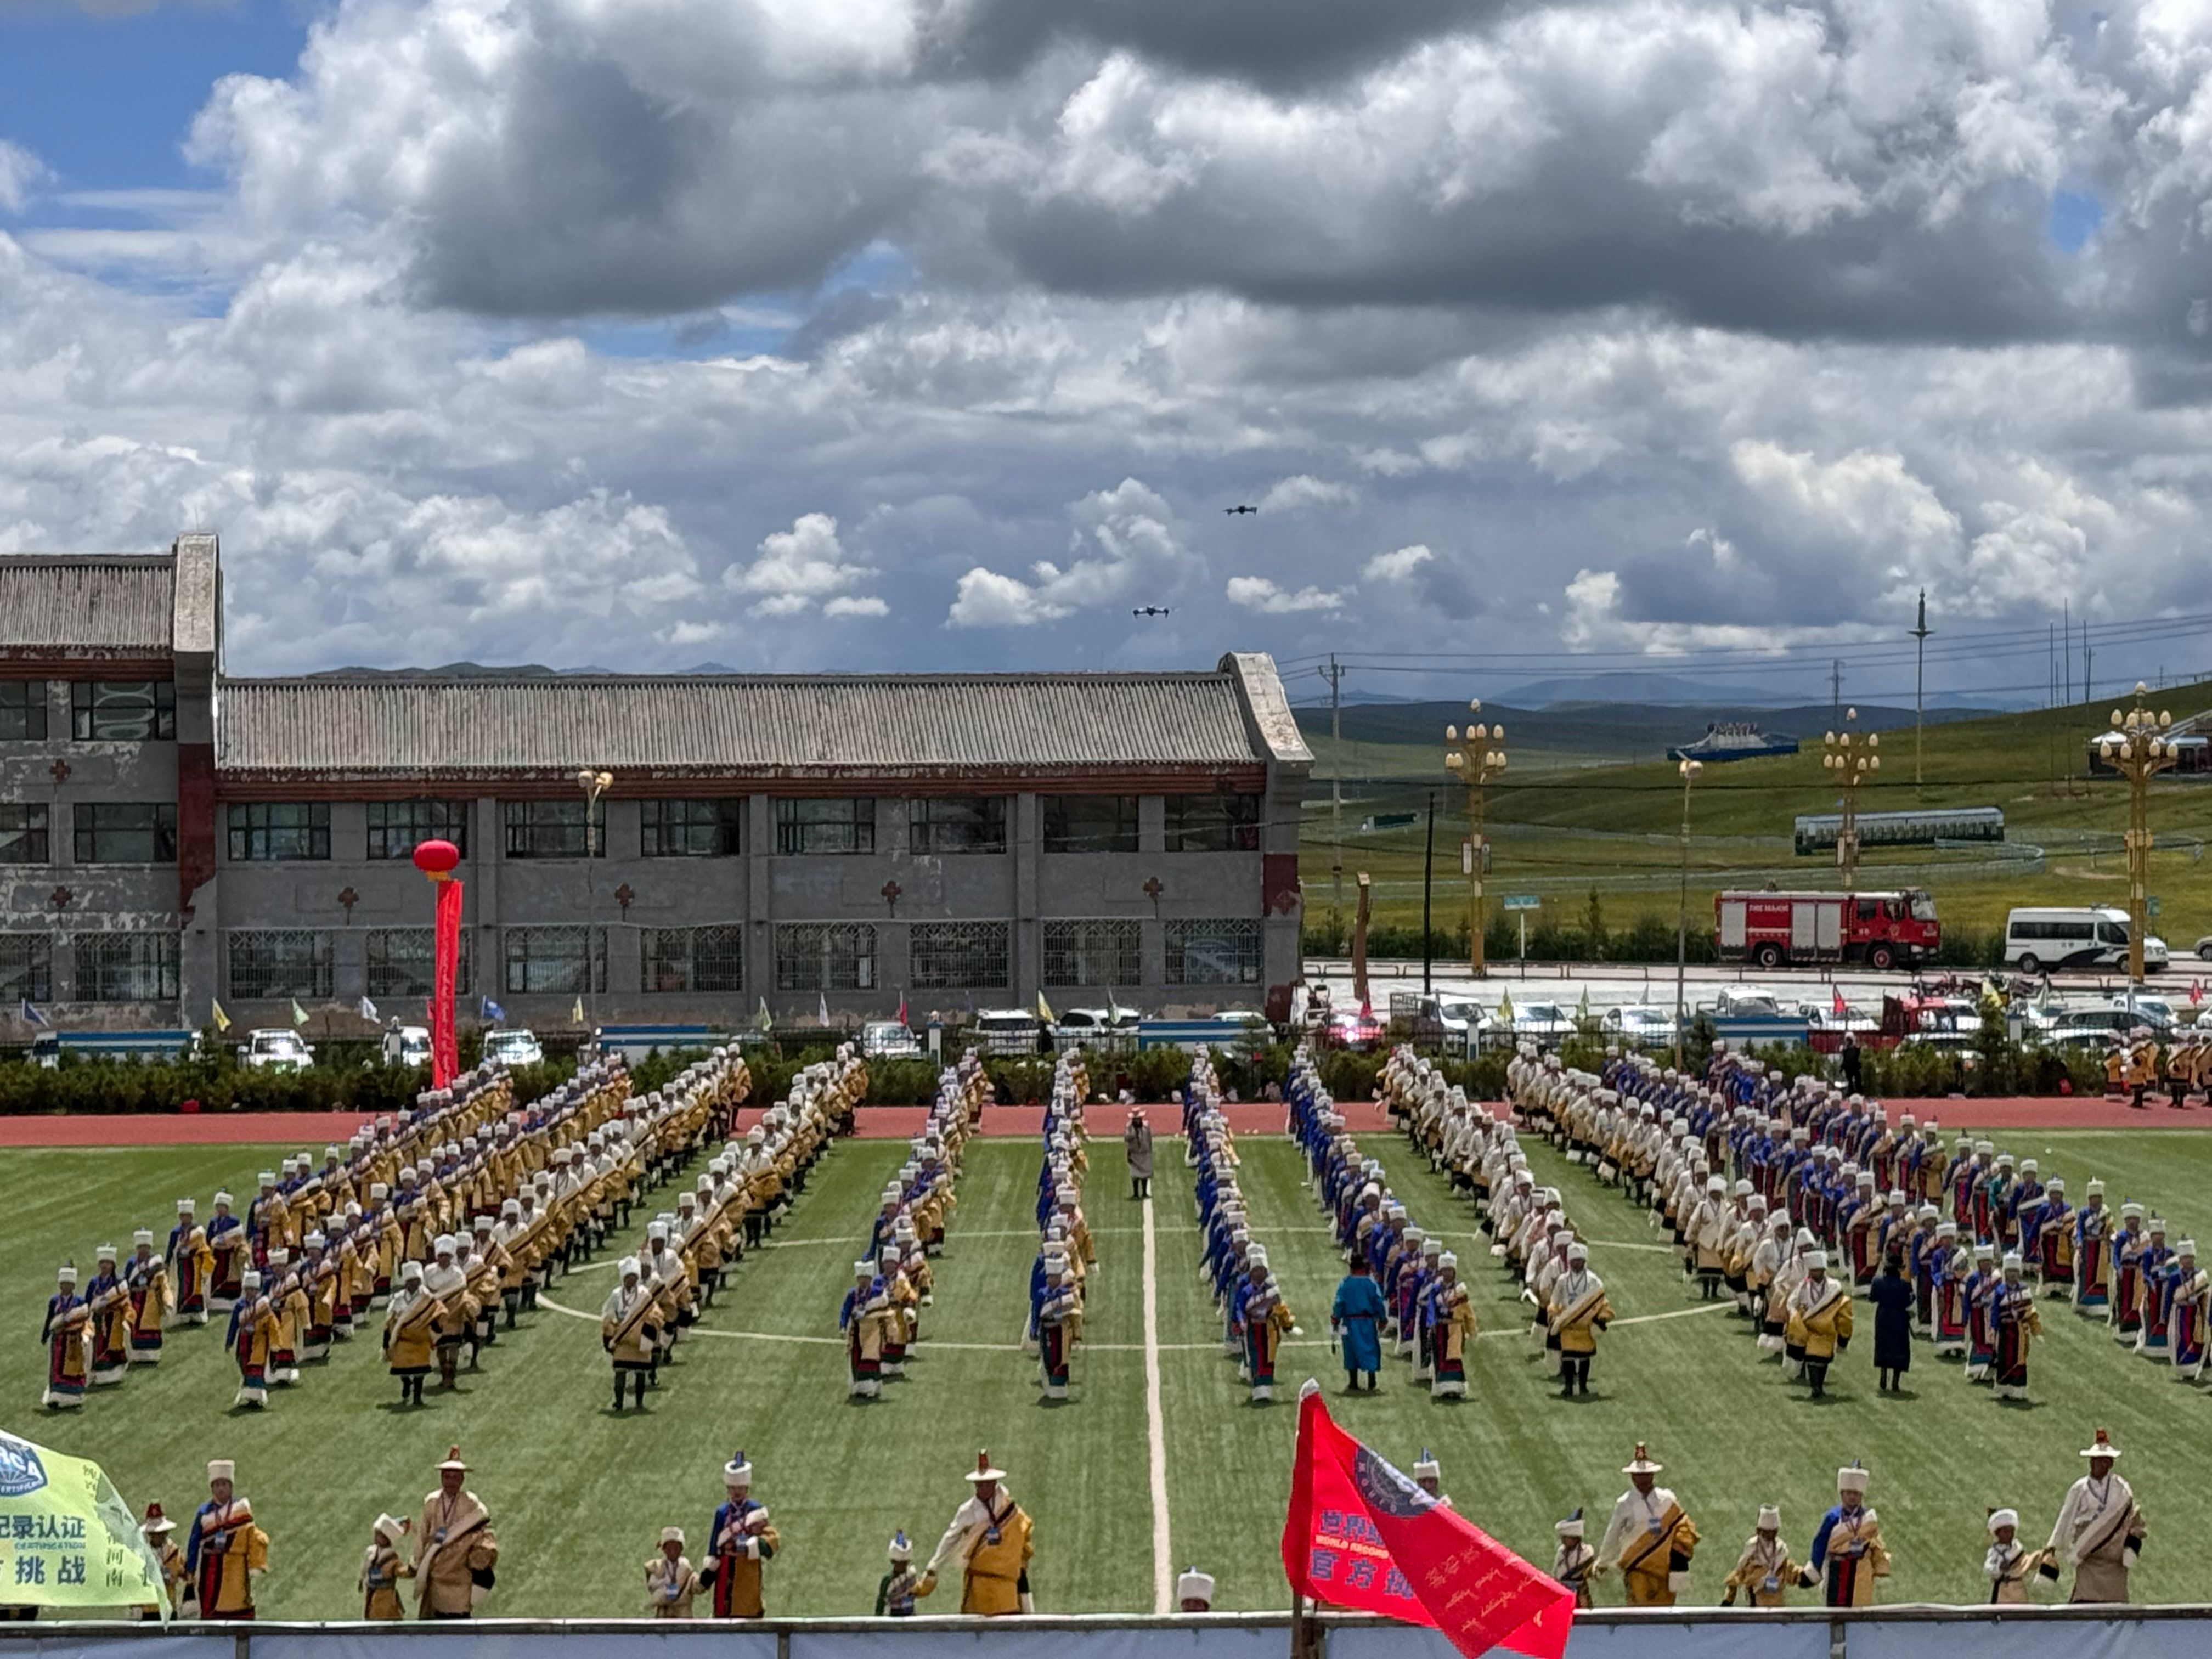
[(117, 603), (800, 724)]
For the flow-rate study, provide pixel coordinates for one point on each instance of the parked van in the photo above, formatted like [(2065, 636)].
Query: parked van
[(2085, 937)]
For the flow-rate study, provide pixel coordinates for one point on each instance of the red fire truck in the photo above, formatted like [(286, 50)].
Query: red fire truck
[(1882, 930)]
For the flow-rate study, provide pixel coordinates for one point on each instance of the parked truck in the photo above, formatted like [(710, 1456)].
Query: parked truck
[(1775, 930)]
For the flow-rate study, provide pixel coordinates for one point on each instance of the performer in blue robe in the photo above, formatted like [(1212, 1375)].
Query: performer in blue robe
[(1356, 1318)]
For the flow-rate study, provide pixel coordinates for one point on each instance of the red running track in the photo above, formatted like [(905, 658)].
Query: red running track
[(312, 1129)]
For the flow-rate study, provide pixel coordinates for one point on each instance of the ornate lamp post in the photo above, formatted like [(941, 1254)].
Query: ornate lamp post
[(594, 784), (1851, 756), (1470, 758), (1690, 770), (2135, 749)]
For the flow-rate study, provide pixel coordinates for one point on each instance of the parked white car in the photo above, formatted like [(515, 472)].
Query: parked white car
[(1637, 1025), (279, 1049), (407, 1045), (1545, 1021), (888, 1039), (516, 1046)]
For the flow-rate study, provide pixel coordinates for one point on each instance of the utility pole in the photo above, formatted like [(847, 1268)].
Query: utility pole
[(1334, 676), (1920, 633), (1428, 880), (2066, 649), (2050, 663), (1836, 688), (2088, 659)]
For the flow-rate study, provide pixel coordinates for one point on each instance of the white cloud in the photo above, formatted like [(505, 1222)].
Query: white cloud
[(800, 566), (19, 171), (1303, 491), (1126, 547), (856, 605), (1258, 593), (1395, 567)]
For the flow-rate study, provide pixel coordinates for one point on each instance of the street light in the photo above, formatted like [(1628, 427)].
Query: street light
[(594, 783), (2134, 749), (1469, 757), (1850, 756), (1690, 770)]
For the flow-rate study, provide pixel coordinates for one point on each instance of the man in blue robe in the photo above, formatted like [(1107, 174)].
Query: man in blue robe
[(1356, 1319)]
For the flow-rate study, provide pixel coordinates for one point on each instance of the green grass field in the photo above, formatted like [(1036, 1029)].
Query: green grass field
[(579, 1494), (1563, 822)]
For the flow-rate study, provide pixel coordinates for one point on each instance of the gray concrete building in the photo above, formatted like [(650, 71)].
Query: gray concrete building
[(171, 836)]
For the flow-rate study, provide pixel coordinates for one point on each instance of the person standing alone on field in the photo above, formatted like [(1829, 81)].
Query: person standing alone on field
[(1137, 1141), (1849, 1054), (1893, 1297)]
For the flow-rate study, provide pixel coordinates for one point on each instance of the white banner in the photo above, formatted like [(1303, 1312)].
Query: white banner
[(1716, 1640)]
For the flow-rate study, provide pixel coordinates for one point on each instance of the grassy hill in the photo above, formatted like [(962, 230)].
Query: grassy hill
[(1564, 823)]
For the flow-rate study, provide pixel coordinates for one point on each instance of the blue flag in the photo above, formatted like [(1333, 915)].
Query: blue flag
[(32, 1016), (492, 1010)]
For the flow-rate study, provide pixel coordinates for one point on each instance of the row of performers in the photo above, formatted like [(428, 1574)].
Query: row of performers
[(881, 1315), (1255, 1318), (1060, 1277)]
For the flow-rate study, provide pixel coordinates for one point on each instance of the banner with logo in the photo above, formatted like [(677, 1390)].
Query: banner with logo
[(1360, 1534), (67, 1539)]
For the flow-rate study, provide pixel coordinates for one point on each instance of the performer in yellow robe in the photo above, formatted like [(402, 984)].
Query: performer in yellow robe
[(382, 1567), (1649, 1538), (1765, 1569), (1578, 1312), (157, 1529), (69, 1344), (990, 1536), (226, 1554), (455, 1549), (410, 1329), (146, 1278), (253, 1339), (1820, 1321)]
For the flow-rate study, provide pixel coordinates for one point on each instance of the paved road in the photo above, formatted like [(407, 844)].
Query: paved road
[(1610, 984)]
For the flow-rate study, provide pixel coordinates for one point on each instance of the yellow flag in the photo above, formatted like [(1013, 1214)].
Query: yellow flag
[(1505, 1007), (67, 1539), (577, 1012), (222, 1020), (1044, 1009)]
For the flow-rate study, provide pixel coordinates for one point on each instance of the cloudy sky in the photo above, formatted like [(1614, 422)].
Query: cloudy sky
[(939, 333)]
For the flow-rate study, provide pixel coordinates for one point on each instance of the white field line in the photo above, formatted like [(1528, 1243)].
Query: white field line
[(1155, 1431)]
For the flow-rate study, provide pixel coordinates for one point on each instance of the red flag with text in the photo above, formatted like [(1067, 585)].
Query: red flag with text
[(1360, 1534), (445, 977)]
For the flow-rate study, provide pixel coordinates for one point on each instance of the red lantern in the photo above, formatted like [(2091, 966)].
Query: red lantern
[(436, 859)]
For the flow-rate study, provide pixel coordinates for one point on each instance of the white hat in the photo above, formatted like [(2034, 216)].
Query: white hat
[(2012, 1263), (2003, 1518), (222, 1198), (1641, 1463), (1578, 1251), (2186, 1247), (105, 1253), (1769, 1518), (627, 1266), (2103, 1447), (1853, 1477), (452, 1460), (251, 1279), (389, 1528), (1448, 1258), (185, 1207), (410, 1273), (986, 1470), (672, 1534), (1427, 1467), (268, 1178), (738, 1472), (1192, 1585), (1816, 1259), (901, 1550), (143, 1235), (1571, 1527)]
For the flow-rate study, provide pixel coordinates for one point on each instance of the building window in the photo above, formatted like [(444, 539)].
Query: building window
[(23, 711), (1224, 952), (555, 830), (692, 958), (24, 838), (27, 969), (839, 824), (273, 830), (267, 963), (1101, 953), (399, 962), (826, 955), (126, 967), (396, 828), (958, 956), (556, 960), (125, 832), (122, 711), (691, 828), (1214, 823), (1090, 824), (956, 823)]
